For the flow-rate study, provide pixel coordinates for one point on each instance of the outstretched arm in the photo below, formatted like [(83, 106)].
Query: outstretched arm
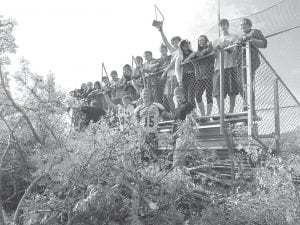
[(165, 40)]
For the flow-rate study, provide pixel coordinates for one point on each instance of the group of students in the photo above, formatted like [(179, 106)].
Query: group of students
[(172, 86)]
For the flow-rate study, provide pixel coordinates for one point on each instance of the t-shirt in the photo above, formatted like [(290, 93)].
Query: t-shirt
[(229, 56), (125, 115), (183, 109), (187, 68), (148, 66), (149, 116), (204, 67), (257, 34)]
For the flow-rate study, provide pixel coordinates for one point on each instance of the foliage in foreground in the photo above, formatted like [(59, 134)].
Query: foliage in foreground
[(51, 175)]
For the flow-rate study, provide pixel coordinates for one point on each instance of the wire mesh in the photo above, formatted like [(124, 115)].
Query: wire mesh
[(289, 107)]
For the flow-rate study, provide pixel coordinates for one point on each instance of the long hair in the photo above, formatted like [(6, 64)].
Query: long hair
[(200, 48)]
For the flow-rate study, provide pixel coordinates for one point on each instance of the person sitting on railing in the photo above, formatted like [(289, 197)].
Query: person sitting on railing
[(185, 71), (138, 76), (204, 71), (148, 114), (183, 107), (230, 66), (125, 111), (257, 40)]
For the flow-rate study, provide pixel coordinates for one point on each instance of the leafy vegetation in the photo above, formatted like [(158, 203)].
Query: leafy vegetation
[(52, 175)]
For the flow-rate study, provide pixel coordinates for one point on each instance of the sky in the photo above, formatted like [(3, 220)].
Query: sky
[(72, 38)]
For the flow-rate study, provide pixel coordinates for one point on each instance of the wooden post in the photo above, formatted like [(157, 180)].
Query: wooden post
[(249, 89), (222, 110), (276, 115)]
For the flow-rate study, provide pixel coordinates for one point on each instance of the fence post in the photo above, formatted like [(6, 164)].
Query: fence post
[(276, 115), (249, 89), (222, 110)]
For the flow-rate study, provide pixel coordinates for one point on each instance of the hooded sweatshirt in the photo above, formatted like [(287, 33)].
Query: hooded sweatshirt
[(182, 69)]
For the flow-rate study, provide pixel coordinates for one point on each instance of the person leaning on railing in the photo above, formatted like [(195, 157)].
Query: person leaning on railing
[(163, 63), (116, 94), (203, 61), (257, 40), (231, 87), (126, 82), (138, 75), (185, 72), (169, 74)]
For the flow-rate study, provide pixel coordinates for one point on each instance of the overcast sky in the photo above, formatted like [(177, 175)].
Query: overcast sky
[(72, 37)]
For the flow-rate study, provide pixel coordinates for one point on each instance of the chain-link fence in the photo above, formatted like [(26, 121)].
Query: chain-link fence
[(275, 103)]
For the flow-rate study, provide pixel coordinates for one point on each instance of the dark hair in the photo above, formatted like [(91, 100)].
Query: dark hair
[(127, 66), (176, 38), (247, 21), (113, 72), (148, 52), (97, 83), (184, 41), (105, 77), (163, 46), (223, 21), (200, 48), (139, 57)]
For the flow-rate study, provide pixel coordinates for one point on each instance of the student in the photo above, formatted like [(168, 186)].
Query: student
[(138, 75), (125, 111), (162, 92), (96, 97), (183, 107), (114, 78), (169, 74), (204, 71), (185, 73), (89, 87), (230, 66), (126, 82), (257, 40), (173, 47), (152, 80), (148, 114), (116, 94)]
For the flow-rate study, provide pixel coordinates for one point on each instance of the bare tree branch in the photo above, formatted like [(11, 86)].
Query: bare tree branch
[(18, 108)]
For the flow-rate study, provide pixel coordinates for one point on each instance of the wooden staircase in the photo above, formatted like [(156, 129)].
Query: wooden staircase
[(228, 148)]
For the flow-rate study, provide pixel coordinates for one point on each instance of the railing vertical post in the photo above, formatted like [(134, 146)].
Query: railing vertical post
[(222, 109), (276, 115), (250, 97)]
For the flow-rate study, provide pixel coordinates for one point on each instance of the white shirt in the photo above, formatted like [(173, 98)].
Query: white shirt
[(149, 116), (229, 56), (125, 115)]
